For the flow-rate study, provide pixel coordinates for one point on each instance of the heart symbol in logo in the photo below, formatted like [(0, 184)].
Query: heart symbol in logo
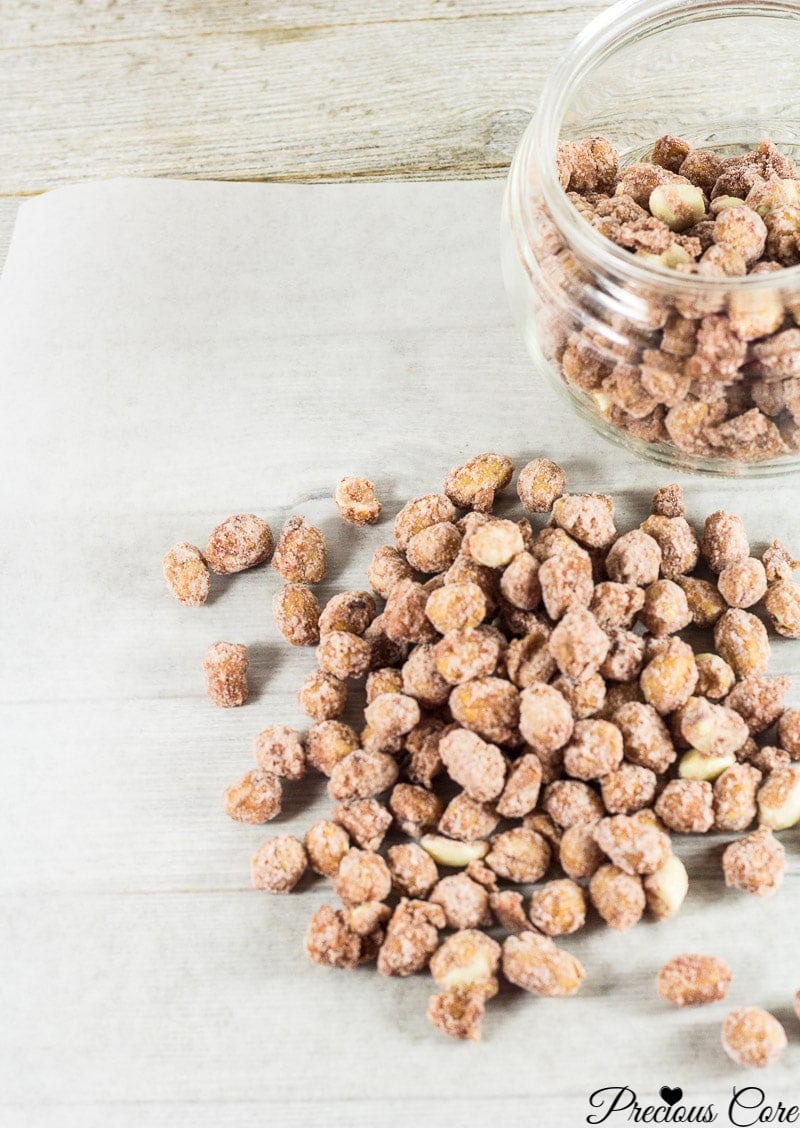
[(670, 1096)]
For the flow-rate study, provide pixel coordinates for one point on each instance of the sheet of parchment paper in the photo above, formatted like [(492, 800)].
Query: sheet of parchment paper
[(172, 353)]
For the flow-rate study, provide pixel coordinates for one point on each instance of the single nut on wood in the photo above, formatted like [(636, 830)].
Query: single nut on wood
[(753, 1037), (693, 980), (357, 501), (680, 206), (666, 889), (447, 852)]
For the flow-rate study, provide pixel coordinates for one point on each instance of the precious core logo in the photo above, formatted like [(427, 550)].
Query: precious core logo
[(748, 1106)]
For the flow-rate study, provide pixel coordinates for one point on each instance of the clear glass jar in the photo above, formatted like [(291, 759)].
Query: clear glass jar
[(723, 76)]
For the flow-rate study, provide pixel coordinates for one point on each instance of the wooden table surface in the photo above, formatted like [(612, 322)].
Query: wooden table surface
[(268, 89)]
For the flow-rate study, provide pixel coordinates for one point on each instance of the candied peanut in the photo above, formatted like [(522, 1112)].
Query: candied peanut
[(519, 855), (328, 742), (255, 798), (456, 607), (589, 518), (589, 165), (778, 563), (421, 679), (365, 820), (712, 729), (668, 500), (724, 540), (755, 315), (666, 889), (458, 1013), (625, 657), (742, 641), (344, 655), (735, 797), (474, 485), (240, 542), (422, 744), (404, 618), (384, 680), (767, 759), (617, 896), (670, 152), (579, 854), (779, 798), (789, 732), (645, 737), (418, 514), (326, 844), (521, 792), (693, 980), (534, 963), (566, 581), (362, 876), (687, 806), (519, 582), (705, 602), (758, 700), (488, 706), (569, 801), (742, 229), (665, 609), (301, 555), (678, 339), (496, 543), (480, 872), (296, 612), (387, 569), (357, 501), (743, 583), (186, 574), (509, 910), (413, 871), (594, 750), (351, 611), (545, 718), (715, 678), (540, 484), (466, 654), (528, 659), (753, 1037), (616, 605), (225, 667), (392, 714), (279, 750), (416, 810), (632, 843), (468, 820), (585, 698), (578, 644), (755, 864), (322, 696), (362, 775), (677, 541), (476, 766), (464, 901), (367, 920), (411, 938), (783, 607), (639, 180), (627, 789), (669, 678), (467, 959), (558, 908), (434, 548), (329, 941), (278, 865), (385, 651)]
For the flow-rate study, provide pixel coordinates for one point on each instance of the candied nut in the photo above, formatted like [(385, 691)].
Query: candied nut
[(676, 538), (365, 820), (422, 744), (616, 605), (578, 644), (225, 667), (186, 574), (367, 920), (566, 581), (467, 959), (704, 766), (715, 678), (632, 843), (476, 766), (404, 618), (724, 540), (687, 424), (666, 889), (296, 612), (645, 737), (322, 696), (434, 548), (385, 651), (754, 315), (702, 167), (488, 706), (509, 910), (569, 801), (519, 855), (464, 901), (743, 583), (678, 205), (480, 872), (742, 229), (456, 607), (778, 563), (278, 865), (536, 964), (528, 659), (705, 602), (589, 518), (594, 750), (693, 980), (238, 543), (495, 543), (669, 678), (579, 854), (540, 484), (587, 166), (783, 607), (411, 938), (545, 718), (326, 844), (758, 700), (357, 501), (301, 555), (639, 180), (558, 908), (362, 876), (742, 641), (585, 698), (328, 742), (458, 1013), (329, 942), (392, 714), (779, 798), (670, 152), (686, 806), (617, 896), (474, 485), (388, 568), (255, 798), (767, 759), (625, 657), (520, 582), (384, 680), (466, 654), (467, 819), (627, 789), (749, 437), (712, 729), (362, 775), (755, 864), (413, 871), (521, 792), (665, 609), (279, 750), (789, 732), (421, 679), (416, 810), (735, 797), (344, 655), (351, 611), (635, 558), (418, 514), (668, 500), (753, 1037)]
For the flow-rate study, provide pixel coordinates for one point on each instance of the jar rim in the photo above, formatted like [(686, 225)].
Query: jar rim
[(602, 36)]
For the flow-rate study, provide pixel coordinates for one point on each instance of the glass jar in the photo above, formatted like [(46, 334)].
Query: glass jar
[(722, 76)]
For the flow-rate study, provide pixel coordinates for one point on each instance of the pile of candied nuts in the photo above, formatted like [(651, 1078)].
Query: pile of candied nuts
[(716, 374), (516, 721)]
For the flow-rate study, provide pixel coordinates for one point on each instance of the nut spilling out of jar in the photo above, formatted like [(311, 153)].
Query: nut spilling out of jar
[(706, 367)]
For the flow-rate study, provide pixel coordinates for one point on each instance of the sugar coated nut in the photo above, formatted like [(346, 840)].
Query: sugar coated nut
[(693, 980), (578, 853), (296, 612), (753, 1037), (495, 543), (742, 640), (645, 737), (466, 654), (255, 798), (322, 696), (686, 806), (783, 607), (569, 801), (362, 775), (456, 607), (665, 890), (365, 820), (558, 908), (329, 942), (468, 958), (509, 911), (589, 518), (595, 749), (789, 732), (351, 611), (521, 792), (474, 485), (411, 938), (362, 876), (344, 655), (418, 514), (458, 1013), (618, 897), (278, 865), (711, 729), (755, 864), (540, 484), (186, 574), (456, 855), (467, 819), (404, 618), (735, 797), (225, 666), (634, 844), (279, 750), (519, 855), (357, 501), (669, 679), (680, 206), (413, 870), (578, 645), (724, 540), (489, 707), (537, 965), (301, 554), (388, 567), (416, 810), (545, 718), (328, 742), (238, 543), (434, 548), (779, 798), (743, 583), (465, 902), (326, 844)]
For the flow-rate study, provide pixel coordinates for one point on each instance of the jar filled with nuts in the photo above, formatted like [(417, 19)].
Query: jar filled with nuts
[(652, 232)]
